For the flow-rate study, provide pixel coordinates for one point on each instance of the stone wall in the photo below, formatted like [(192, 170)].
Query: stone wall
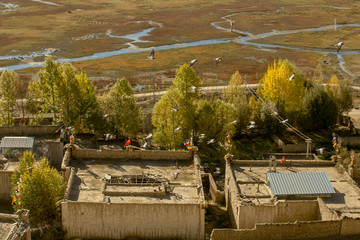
[(289, 211), (217, 196), (137, 154), (121, 220), (232, 198), (5, 185), (26, 130), (298, 230), (349, 141), (55, 153)]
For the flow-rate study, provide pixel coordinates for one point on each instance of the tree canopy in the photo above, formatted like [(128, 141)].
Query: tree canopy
[(37, 187), (124, 115), (277, 87), (9, 84)]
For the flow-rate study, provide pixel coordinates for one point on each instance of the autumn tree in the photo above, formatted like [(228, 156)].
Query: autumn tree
[(278, 89), (37, 187), (9, 82), (123, 113)]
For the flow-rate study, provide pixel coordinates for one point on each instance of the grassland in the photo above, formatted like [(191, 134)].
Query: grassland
[(35, 26)]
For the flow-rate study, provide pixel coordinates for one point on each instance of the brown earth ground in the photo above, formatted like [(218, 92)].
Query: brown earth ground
[(34, 26)]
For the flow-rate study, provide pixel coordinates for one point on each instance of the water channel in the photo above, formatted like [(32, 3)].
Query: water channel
[(136, 38)]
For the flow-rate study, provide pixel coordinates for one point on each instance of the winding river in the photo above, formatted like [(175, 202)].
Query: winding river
[(136, 38)]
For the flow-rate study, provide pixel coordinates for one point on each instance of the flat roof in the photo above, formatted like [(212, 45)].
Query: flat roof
[(17, 142), (251, 181), (299, 183), (5, 227), (134, 181)]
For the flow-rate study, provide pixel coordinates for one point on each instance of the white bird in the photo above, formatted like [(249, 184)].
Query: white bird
[(192, 62), (193, 88), (152, 55), (176, 174), (144, 145), (234, 122), (339, 45), (107, 136), (284, 121), (176, 129), (149, 136), (217, 170), (202, 135), (291, 77), (175, 109), (211, 141), (217, 60), (252, 125), (105, 116)]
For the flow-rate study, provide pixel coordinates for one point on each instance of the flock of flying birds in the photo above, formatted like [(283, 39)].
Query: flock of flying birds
[(217, 61)]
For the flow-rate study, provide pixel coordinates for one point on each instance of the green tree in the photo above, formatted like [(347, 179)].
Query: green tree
[(215, 120), (225, 113), (33, 105), (66, 93), (185, 94), (124, 115), (9, 82), (37, 191), (48, 87), (342, 93), (165, 120), (277, 88), (319, 110), (235, 94)]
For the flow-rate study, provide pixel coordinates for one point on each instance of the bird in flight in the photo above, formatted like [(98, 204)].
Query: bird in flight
[(234, 122), (175, 109), (284, 121), (252, 125), (152, 55), (291, 77), (192, 62), (176, 129), (339, 45), (217, 60), (176, 174), (211, 141), (202, 135)]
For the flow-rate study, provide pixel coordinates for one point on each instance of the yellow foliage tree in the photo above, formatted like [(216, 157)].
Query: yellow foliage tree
[(278, 88)]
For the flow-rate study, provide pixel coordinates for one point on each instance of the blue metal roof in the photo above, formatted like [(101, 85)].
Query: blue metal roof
[(302, 183)]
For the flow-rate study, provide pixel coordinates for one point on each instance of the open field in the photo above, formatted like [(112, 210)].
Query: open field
[(96, 26)]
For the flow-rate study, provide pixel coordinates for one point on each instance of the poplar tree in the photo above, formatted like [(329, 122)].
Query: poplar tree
[(9, 82), (285, 94), (120, 105)]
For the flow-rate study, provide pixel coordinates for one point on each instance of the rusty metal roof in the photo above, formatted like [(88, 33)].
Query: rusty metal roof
[(301, 183), (17, 142)]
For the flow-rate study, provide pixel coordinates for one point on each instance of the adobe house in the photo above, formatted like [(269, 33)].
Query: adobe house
[(115, 194), (297, 199)]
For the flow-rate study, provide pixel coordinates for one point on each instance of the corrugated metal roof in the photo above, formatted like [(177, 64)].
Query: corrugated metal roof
[(303, 183), (17, 142)]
